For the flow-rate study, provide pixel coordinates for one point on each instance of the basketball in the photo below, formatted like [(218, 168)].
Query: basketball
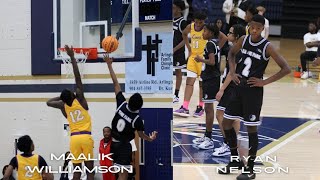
[(110, 44)]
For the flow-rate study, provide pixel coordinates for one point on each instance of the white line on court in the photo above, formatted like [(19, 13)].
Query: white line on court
[(283, 143), (311, 81), (203, 174)]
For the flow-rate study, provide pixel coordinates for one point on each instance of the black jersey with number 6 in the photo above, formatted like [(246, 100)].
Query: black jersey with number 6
[(125, 122), (254, 61)]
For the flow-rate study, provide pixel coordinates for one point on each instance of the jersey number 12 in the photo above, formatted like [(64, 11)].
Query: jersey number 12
[(76, 116)]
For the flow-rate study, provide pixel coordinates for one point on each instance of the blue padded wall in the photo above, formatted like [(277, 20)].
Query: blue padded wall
[(92, 10), (158, 153), (42, 39)]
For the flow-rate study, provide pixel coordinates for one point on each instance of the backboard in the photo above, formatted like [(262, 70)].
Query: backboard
[(84, 23)]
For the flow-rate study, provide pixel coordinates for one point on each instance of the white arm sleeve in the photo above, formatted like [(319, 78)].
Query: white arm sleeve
[(133, 145)]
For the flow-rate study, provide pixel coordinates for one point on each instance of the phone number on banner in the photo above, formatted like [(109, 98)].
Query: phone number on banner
[(140, 88)]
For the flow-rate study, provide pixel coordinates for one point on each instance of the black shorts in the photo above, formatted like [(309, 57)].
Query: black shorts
[(179, 61), (121, 153), (225, 99), (210, 89), (245, 104)]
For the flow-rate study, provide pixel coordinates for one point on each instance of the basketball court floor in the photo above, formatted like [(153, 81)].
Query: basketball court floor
[(289, 131)]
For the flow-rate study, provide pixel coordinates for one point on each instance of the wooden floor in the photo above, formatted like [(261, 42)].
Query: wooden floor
[(287, 98)]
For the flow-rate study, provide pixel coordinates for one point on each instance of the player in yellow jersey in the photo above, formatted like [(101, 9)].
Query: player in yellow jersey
[(194, 68), (74, 107), (26, 163)]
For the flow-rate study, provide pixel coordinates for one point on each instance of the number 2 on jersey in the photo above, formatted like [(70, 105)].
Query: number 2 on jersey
[(246, 70), (76, 116), (28, 173)]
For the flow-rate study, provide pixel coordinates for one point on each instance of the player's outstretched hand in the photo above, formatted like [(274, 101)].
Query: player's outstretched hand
[(219, 95), (107, 59), (153, 135), (255, 82), (235, 78), (69, 50)]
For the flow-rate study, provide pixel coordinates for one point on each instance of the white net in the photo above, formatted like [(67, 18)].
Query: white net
[(80, 57)]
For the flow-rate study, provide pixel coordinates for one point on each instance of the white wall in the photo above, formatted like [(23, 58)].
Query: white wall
[(15, 37)]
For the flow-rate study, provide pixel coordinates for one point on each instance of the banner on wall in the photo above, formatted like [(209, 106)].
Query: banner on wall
[(66, 130), (153, 74), (149, 10)]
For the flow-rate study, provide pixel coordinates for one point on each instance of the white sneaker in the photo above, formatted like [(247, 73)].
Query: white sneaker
[(221, 145), (206, 144), (305, 75), (175, 99), (199, 140), (224, 150)]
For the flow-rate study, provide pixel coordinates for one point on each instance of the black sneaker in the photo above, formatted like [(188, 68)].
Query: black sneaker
[(234, 164), (247, 175), (199, 112)]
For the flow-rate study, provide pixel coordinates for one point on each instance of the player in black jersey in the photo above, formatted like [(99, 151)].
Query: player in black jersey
[(124, 124), (210, 76), (235, 32), (179, 59), (247, 96)]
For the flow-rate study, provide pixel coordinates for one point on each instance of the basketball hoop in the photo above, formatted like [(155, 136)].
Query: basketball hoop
[(80, 54)]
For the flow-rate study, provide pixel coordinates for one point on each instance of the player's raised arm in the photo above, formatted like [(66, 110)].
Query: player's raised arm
[(55, 102), (282, 63), (232, 60), (76, 71), (116, 84), (77, 76)]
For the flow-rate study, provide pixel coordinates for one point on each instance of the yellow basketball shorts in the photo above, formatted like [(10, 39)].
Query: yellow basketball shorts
[(81, 147), (194, 66)]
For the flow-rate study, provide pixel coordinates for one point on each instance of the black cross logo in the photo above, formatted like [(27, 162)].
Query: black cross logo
[(152, 57)]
